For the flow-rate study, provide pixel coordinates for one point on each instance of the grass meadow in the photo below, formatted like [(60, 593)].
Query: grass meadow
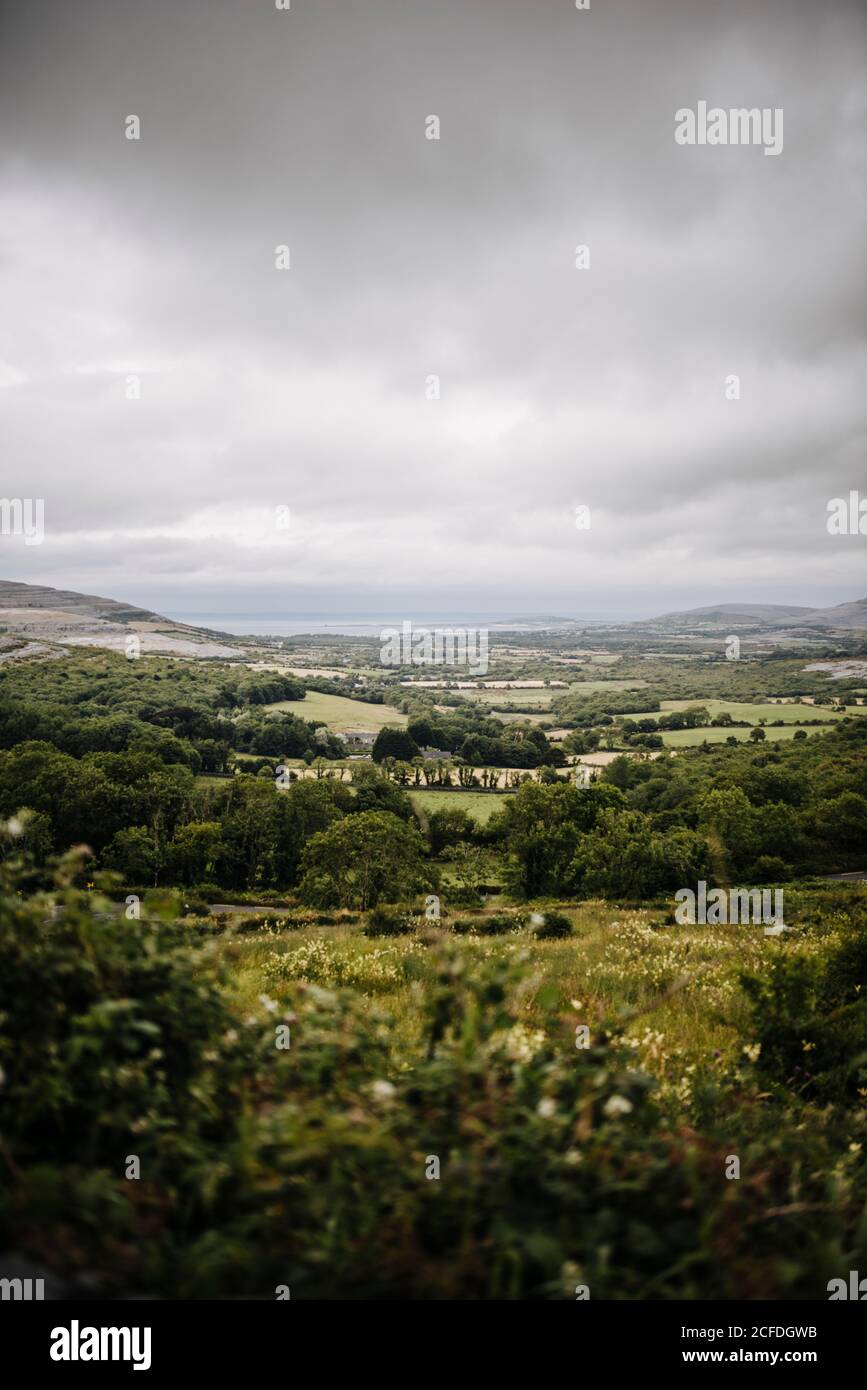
[(674, 989), (340, 713), (480, 805), (752, 712), (691, 738)]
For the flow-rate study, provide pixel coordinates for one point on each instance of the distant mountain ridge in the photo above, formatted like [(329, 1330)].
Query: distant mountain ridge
[(848, 616), (86, 609), (14, 594), (43, 615)]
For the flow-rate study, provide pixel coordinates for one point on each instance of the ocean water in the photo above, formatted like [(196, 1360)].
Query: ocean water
[(366, 625)]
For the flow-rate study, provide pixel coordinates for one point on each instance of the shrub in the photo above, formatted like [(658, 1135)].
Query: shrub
[(464, 926), (109, 1030), (555, 924), (270, 921), (385, 922), (768, 868), (497, 925), (193, 906), (809, 1014)]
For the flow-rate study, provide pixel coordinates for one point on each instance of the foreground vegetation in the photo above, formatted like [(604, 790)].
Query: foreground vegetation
[(197, 1111)]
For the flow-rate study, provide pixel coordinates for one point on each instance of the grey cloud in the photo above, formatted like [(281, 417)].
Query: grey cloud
[(412, 257)]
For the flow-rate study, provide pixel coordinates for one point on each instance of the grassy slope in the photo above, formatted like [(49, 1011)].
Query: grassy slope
[(480, 805), (742, 709), (339, 713), (682, 982)]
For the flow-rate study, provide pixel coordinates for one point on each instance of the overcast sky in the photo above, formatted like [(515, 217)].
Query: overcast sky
[(306, 388)]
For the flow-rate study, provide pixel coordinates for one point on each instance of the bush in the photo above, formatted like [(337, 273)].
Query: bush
[(109, 1030), (270, 921), (385, 922), (464, 926), (768, 868), (193, 906), (497, 925), (810, 1016), (555, 924)]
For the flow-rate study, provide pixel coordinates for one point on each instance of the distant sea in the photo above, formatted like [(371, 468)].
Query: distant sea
[(360, 625)]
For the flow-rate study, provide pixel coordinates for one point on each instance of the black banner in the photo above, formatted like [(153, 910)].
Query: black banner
[(160, 1339)]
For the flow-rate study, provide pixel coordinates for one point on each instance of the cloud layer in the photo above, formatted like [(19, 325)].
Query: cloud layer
[(308, 388)]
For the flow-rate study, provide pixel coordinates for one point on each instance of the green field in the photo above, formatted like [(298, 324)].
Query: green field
[(753, 713), (540, 698), (506, 716), (690, 738), (480, 805), (594, 686), (339, 713)]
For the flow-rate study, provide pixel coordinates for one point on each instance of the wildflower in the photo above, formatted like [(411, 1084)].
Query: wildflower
[(382, 1090), (519, 1043), (752, 1051), (546, 1108), (617, 1105)]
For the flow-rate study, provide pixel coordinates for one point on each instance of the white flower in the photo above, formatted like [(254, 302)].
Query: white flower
[(617, 1105), (14, 826), (519, 1043), (573, 1157), (267, 1003), (753, 1051), (382, 1090), (546, 1108)]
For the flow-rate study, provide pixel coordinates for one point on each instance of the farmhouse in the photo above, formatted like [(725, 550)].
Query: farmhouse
[(363, 736)]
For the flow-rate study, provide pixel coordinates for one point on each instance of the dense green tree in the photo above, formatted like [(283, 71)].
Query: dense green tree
[(625, 857), (449, 827), (393, 742), (307, 808), (541, 827), (362, 860), (194, 852), (134, 854)]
